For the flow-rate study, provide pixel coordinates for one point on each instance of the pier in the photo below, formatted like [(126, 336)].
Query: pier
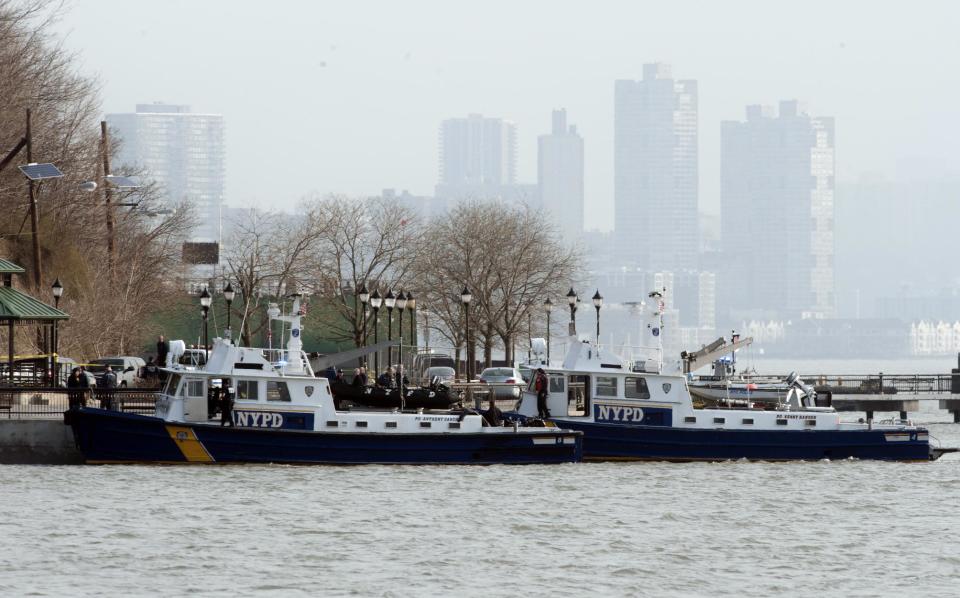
[(886, 393)]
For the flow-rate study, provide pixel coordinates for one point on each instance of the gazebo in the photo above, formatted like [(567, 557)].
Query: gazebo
[(16, 308)]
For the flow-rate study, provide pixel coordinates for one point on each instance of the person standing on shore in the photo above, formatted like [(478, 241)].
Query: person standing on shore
[(109, 382), (75, 384)]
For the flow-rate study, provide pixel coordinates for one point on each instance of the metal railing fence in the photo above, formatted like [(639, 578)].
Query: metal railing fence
[(47, 402)]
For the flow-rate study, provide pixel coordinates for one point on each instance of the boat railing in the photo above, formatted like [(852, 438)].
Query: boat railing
[(283, 359), (886, 384)]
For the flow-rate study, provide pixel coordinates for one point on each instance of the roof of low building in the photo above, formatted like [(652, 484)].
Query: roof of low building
[(15, 305), (8, 267)]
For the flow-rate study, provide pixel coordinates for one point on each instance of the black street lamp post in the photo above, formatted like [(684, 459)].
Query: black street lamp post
[(364, 295), (548, 307), (598, 303), (466, 297), (57, 293), (401, 304), (390, 301), (228, 295), (375, 302), (205, 301), (572, 301), (412, 306)]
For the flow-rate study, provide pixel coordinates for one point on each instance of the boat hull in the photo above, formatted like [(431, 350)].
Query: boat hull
[(609, 442), (113, 437)]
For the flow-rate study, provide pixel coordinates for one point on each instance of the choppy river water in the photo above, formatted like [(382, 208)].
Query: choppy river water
[(848, 528)]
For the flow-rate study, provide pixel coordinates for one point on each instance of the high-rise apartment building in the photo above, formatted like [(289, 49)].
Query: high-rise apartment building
[(655, 171), (183, 152), (560, 176), (777, 214), (478, 157)]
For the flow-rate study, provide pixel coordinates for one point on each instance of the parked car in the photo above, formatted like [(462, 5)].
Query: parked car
[(503, 377), (126, 368), (423, 361), (446, 375)]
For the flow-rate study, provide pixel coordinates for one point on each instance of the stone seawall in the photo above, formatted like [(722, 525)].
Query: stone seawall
[(37, 441)]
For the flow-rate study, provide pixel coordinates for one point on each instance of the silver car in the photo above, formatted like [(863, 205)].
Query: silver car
[(508, 382)]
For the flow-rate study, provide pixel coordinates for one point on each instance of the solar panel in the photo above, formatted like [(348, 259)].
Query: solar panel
[(121, 182), (39, 172)]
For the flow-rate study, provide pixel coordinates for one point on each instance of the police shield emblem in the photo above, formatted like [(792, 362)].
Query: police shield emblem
[(308, 390), (666, 387)]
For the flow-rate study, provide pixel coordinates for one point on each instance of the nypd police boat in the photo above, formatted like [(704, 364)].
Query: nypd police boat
[(282, 413), (644, 413)]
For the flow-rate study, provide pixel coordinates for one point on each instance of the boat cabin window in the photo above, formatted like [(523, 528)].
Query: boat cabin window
[(606, 386), (194, 388), (248, 390), (557, 383), (578, 395), (636, 388), (277, 391), (172, 383)]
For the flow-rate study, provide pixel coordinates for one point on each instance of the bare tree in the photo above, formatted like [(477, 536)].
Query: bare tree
[(509, 257), (266, 254), (110, 314), (372, 243)]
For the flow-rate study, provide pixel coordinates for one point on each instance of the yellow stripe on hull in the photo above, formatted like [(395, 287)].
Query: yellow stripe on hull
[(188, 443)]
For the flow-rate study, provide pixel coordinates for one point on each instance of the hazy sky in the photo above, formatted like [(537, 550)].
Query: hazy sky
[(347, 97)]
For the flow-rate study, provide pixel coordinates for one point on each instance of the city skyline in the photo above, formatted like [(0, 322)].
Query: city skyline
[(356, 139)]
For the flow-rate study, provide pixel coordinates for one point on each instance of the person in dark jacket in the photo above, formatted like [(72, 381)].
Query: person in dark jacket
[(541, 385), (226, 404), (76, 384), (363, 377), (386, 378), (493, 415), (162, 349), (109, 384), (357, 382)]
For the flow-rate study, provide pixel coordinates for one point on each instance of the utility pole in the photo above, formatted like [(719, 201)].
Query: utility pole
[(34, 216), (107, 193)]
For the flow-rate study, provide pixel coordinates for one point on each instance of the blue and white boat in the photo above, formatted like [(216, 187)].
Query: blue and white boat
[(282, 413), (643, 413)]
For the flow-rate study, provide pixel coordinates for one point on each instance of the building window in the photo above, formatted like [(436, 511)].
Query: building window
[(277, 391), (636, 388)]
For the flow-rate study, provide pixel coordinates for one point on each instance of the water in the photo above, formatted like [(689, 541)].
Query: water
[(842, 528), (847, 528)]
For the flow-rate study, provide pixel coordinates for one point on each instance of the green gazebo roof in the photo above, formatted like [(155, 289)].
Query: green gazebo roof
[(8, 267), (15, 305)]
